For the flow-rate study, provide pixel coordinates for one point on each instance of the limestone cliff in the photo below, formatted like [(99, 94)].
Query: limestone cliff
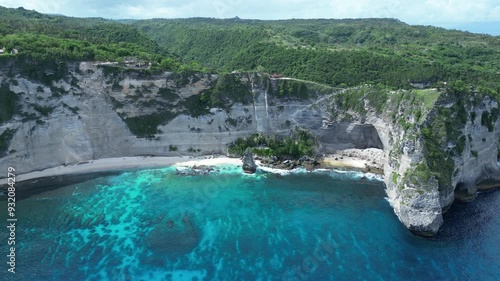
[(437, 146)]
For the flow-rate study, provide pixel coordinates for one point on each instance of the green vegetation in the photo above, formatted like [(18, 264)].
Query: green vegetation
[(172, 148), (445, 127), (50, 37), (334, 52), (460, 145), (488, 119), (291, 88), (384, 101), (428, 97), (50, 42), (299, 144), (354, 98), (474, 153), (9, 104), (394, 177), (5, 139), (192, 150), (223, 92), (43, 110), (419, 176), (228, 89), (345, 52), (146, 126), (74, 110)]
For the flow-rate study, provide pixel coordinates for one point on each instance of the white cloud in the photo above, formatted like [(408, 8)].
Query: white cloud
[(459, 10), (41, 6)]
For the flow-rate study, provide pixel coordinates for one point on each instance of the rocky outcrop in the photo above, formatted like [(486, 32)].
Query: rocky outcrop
[(435, 147), (433, 151), (306, 162), (454, 148), (249, 165)]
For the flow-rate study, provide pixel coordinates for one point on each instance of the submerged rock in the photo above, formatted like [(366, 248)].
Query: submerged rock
[(196, 170), (249, 165)]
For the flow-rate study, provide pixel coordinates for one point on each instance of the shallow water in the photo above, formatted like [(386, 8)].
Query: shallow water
[(156, 225)]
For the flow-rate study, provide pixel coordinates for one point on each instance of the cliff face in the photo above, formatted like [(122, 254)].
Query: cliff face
[(435, 150), (441, 159), (437, 146)]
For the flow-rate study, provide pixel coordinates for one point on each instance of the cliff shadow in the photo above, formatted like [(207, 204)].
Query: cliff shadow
[(469, 219), (346, 135)]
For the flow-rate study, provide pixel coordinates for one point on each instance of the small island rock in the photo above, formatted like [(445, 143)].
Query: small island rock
[(249, 165)]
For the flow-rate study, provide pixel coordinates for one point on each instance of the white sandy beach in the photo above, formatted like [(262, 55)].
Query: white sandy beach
[(126, 163), (345, 160), (370, 158)]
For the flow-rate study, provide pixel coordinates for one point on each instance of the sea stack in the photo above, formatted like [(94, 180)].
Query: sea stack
[(249, 165)]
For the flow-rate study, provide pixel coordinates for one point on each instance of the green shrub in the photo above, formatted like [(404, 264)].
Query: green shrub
[(394, 177), (5, 140), (474, 153), (146, 126), (43, 110), (9, 103), (460, 145), (192, 150), (300, 143), (488, 119), (228, 90), (116, 87), (473, 116)]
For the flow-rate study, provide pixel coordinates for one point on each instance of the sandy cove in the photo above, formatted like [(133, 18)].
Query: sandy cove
[(367, 160), (358, 159), (125, 163)]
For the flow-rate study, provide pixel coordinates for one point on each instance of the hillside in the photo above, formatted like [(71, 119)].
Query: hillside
[(346, 52), (55, 40), (336, 52)]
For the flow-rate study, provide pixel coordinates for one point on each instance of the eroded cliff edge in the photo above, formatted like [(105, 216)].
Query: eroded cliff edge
[(437, 144)]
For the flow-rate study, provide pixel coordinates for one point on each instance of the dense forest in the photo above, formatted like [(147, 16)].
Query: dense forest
[(335, 52), (61, 39), (345, 52)]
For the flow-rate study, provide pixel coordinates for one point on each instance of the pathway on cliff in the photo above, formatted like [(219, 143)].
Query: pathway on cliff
[(301, 80)]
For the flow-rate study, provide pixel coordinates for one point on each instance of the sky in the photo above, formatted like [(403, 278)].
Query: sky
[(473, 15)]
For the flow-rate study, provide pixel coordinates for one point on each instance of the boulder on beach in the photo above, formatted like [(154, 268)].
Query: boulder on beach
[(249, 165)]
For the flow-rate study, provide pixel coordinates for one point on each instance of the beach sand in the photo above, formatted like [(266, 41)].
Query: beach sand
[(349, 159), (347, 162), (125, 163), (370, 159)]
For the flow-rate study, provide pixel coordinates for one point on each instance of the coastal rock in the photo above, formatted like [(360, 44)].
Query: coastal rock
[(249, 165), (194, 171)]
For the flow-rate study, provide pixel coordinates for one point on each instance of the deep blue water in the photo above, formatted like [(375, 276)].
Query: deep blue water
[(156, 225)]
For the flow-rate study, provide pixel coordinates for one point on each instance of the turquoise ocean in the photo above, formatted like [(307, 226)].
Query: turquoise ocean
[(325, 225)]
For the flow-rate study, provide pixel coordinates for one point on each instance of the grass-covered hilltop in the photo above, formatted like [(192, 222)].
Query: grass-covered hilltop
[(73, 90)]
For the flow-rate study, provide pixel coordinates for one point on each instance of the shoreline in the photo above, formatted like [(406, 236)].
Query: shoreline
[(119, 164), (370, 160)]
